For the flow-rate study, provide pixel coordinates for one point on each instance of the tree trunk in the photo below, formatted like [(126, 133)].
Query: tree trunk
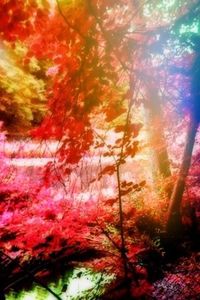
[(173, 226), (157, 133)]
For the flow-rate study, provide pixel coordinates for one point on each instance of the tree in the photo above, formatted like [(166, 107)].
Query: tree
[(173, 225), (165, 35), (23, 103), (87, 58), (174, 218)]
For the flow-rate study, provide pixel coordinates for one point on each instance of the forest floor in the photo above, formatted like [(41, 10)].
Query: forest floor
[(181, 280)]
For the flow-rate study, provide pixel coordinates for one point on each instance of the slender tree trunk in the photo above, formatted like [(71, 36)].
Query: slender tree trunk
[(157, 133), (173, 226)]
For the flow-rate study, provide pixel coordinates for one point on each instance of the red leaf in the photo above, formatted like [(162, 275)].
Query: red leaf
[(119, 128), (108, 170), (111, 201)]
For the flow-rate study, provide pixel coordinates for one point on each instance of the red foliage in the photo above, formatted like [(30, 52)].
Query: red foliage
[(17, 18), (87, 56)]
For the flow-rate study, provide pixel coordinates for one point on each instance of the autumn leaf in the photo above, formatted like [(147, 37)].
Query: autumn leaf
[(119, 128), (111, 201), (108, 170), (127, 191)]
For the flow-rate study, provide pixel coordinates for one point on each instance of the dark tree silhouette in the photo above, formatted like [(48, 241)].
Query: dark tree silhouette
[(174, 213)]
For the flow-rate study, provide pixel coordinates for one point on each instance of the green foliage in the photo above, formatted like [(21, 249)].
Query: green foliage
[(79, 283)]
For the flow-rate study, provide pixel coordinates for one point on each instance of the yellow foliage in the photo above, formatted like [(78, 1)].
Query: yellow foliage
[(22, 95)]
